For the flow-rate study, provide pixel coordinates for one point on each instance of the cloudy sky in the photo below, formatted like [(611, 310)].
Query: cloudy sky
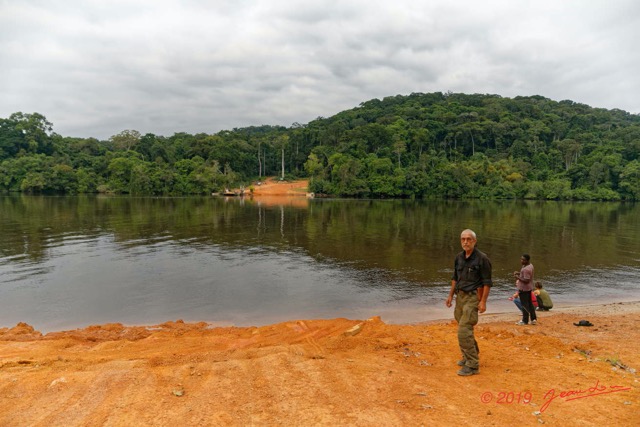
[(95, 68)]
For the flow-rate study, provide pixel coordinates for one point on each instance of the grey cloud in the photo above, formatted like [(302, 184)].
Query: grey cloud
[(95, 69)]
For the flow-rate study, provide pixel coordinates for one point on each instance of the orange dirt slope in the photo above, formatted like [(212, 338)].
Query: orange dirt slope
[(326, 372)]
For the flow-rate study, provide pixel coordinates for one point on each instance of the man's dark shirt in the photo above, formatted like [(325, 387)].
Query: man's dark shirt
[(473, 272)]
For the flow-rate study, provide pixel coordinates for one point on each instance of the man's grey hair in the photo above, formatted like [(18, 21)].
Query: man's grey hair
[(468, 230)]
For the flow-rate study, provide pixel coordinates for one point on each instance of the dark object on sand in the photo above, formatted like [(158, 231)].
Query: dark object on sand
[(583, 323)]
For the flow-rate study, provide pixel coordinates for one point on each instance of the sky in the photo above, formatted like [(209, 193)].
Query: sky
[(95, 68)]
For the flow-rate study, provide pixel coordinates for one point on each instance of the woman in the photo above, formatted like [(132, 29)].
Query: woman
[(544, 300)]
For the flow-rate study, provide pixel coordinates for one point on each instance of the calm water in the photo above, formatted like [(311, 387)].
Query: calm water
[(68, 262)]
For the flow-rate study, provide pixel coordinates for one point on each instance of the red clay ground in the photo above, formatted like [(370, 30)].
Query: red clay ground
[(326, 372), (275, 187)]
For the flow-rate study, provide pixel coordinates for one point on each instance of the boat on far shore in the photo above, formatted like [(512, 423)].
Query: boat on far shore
[(235, 192)]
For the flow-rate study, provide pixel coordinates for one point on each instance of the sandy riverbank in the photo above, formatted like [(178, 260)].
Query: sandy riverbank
[(273, 192), (326, 372), (274, 187)]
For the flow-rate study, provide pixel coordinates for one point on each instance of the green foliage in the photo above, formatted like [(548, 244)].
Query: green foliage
[(630, 180), (417, 146), (478, 146)]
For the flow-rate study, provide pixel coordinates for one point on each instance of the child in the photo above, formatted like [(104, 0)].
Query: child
[(544, 300)]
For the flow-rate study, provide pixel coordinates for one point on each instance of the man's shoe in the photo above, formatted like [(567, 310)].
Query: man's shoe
[(466, 371), (534, 322), (461, 362), (520, 323)]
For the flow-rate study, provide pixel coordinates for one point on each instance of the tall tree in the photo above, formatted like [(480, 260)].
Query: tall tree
[(125, 140), (570, 149), (282, 142)]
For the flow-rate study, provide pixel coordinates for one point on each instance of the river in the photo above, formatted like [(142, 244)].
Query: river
[(69, 262)]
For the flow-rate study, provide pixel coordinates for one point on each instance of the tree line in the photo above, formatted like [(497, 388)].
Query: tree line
[(436, 145)]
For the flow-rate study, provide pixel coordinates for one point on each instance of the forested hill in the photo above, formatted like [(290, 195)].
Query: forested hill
[(422, 145)]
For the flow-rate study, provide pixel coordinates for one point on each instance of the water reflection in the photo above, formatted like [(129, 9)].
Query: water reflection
[(72, 261)]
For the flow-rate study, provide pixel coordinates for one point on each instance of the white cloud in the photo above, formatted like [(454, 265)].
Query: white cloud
[(95, 68)]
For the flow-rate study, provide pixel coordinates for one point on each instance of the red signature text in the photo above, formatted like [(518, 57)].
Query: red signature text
[(567, 395)]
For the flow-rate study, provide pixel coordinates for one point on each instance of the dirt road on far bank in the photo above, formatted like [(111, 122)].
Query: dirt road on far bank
[(275, 187)]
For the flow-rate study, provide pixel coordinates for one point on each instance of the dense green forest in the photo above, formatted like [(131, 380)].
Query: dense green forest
[(436, 145)]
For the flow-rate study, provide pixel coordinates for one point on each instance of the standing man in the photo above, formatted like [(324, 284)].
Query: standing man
[(471, 282), (524, 283)]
